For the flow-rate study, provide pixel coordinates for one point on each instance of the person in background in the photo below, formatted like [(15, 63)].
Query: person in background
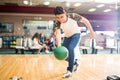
[(52, 42), (42, 38), (36, 41)]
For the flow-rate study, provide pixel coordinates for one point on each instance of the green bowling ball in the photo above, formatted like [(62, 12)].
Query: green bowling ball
[(61, 52)]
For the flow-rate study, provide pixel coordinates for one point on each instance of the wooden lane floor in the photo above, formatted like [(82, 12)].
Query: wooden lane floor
[(47, 67)]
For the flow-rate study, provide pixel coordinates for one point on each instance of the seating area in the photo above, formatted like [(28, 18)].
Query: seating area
[(100, 43), (24, 44), (90, 44), (17, 44)]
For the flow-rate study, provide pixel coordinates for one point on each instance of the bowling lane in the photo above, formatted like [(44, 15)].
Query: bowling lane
[(47, 67)]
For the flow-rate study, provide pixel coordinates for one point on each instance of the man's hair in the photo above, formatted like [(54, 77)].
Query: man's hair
[(58, 10)]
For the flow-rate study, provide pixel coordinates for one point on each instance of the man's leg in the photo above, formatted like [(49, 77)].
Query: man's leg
[(73, 41)]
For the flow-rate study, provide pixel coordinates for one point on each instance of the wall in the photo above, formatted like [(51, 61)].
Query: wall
[(99, 22), (18, 18)]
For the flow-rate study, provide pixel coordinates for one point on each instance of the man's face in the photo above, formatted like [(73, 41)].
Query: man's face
[(61, 17)]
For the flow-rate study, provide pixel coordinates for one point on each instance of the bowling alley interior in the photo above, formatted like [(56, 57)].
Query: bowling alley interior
[(22, 20)]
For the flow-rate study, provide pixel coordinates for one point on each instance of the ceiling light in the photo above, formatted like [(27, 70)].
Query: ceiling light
[(46, 3), (92, 10), (67, 4), (107, 10), (77, 4), (72, 0), (38, 18), (105, 1), (101, 5), (25, 2)]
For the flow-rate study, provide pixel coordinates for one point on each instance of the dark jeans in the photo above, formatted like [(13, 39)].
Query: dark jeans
[(70, 43)]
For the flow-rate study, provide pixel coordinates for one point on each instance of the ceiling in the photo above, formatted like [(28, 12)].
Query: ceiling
[(114, 5)]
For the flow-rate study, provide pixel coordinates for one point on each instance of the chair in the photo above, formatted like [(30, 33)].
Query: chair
[(111, 44), (87, 45), (95, 47), (0, 42), (90, 44), (19, 45)]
